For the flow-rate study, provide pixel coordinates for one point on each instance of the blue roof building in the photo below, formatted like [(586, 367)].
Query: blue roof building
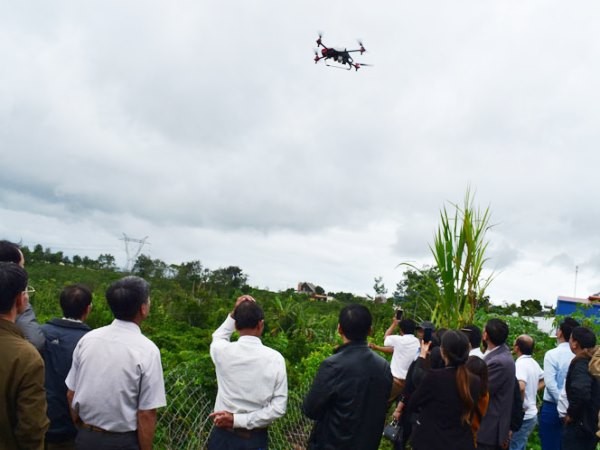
[(566, 306)]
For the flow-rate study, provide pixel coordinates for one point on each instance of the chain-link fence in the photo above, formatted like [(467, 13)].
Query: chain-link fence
[(184, 423)]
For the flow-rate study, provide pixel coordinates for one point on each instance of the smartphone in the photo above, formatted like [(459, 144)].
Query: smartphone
[(427, 334), (399, 313)]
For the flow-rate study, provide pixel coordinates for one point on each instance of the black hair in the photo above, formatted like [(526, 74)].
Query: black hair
[(584, 337), (126, 296), (477, 366), (9, 252), (13, 281), (455, 348), (497, 331), (355, 321), (408, 326), (473, 333), (525, 345), (247, 315), (74, 301), (566, 327)]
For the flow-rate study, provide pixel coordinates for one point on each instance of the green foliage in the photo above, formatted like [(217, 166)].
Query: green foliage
[(416, 291), (459, 250), (189, 303)]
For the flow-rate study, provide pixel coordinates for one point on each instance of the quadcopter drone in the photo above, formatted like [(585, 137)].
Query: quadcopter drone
[(341, 57)]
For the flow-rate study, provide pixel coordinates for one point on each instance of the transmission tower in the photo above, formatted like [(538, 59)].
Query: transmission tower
[(132, 256)]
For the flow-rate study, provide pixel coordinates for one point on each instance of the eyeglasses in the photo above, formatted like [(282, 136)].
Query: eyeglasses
[(29, 290)]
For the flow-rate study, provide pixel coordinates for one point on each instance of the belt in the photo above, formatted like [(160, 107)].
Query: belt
[(87, 426), (245, 433)]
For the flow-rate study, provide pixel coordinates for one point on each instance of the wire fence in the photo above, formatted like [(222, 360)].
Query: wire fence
[(184, 423)]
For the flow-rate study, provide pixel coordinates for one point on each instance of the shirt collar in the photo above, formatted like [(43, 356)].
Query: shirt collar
[(126, 324), (250, 339), (11, 327)]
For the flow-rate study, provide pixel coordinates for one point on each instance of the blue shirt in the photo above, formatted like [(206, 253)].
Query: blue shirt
[(556, 365)]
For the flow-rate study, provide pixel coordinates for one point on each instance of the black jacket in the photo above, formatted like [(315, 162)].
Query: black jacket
[(583, 393), (348, 399), (61, 338), (439, 424)]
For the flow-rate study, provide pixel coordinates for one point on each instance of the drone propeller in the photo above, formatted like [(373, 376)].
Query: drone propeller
[(319, 43), (362, 48)]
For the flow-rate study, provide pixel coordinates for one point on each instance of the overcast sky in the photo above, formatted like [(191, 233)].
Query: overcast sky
[(207, 127)]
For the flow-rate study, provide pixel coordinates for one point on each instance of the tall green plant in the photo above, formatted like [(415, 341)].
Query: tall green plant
[(459, 249)]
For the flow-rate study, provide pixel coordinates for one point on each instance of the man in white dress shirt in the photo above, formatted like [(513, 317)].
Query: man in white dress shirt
[(252, 381), (531, 379), (116, 381)]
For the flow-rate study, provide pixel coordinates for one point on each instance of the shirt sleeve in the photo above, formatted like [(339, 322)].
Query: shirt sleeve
[(550, 377), (274, 409), (390, 340), (579, 392), (71, 380), (521, 372), (28, 324), (322, 390), (152, 385), (222, 336), (32, 422)]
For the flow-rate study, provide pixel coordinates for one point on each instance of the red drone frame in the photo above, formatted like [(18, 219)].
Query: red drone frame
[(339, 56)]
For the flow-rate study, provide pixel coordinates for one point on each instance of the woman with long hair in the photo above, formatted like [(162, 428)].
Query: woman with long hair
[(477, 366), (446, 400)]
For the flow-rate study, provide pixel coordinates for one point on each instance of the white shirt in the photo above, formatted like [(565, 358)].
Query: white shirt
[(556, 365), (529, 371), (116, 371), (251, 377), (563, 403), (405, 349), (476, 352)]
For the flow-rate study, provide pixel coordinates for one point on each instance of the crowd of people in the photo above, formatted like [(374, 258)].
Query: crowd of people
[(65, 386)]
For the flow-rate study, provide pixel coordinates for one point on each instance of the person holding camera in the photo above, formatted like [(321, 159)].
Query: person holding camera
[(404, 348), (445, 400)]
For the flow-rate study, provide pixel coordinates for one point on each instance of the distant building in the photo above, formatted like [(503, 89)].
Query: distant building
[(305, 287), (568, 305)]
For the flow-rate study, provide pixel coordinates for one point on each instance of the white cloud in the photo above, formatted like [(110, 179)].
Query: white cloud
[(209, 128)]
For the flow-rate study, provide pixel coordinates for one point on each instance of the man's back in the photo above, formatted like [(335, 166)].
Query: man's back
[(62, 336), (501, 379), (250, 376), (348, 399), (529, 372), (116, 371), (406, 349), (556, 365), (22, 391)]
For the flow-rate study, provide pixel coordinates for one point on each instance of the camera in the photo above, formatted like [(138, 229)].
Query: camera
[(399, 313), (427, 334)]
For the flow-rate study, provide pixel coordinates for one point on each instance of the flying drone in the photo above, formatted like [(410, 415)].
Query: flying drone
[(342, 58)]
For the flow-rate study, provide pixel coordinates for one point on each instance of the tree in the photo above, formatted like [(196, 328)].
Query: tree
[(146, 267), (106, 261), (379, 287), (415, 292), (226, 280)]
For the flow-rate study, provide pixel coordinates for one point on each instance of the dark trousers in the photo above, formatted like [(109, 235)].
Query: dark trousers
[(97, 440), (488, 447), (550, 427), (576, 438), (221, 439)]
